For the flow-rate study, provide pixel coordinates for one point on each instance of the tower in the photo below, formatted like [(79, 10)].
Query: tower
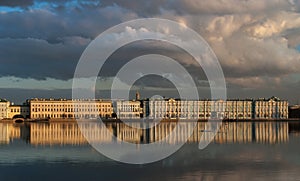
[(137, 96)]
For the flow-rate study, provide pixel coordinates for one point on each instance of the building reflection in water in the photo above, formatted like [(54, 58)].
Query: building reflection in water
[(9, 132), (70, 133)]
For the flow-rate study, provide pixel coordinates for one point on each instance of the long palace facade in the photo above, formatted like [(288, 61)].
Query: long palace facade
[(272, 108), (202, 109), (64, 108)]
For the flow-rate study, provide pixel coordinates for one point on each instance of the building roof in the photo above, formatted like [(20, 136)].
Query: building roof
[(273, 98), (3, 100), (57, 100)]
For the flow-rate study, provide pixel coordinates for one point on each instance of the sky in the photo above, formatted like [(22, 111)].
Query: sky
[(256, 42)]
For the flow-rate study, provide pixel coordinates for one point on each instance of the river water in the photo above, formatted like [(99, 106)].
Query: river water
[(239, 151)]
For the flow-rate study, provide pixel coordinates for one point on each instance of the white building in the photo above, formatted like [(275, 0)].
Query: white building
[(127, 109), (238, 109), (215, 109), (173, 109), (272, 108)]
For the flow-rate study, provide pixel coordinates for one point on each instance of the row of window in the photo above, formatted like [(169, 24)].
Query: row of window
[(87, 116), (202, 107), (200, 104), (129, 116), (18, 110), (71, 105), (129, 110), (69, 110), (200, 110)]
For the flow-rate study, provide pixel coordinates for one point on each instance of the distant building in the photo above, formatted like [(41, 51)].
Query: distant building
[(238, 109), (18, 111), (272, 108), (64, 108), (4, 104), (294, 112), (176, 108), (160, 108), (202, 109), (128, 109)]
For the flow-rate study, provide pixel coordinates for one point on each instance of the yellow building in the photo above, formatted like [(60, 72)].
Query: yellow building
[(4, 104), (18, 111), (64, 108)]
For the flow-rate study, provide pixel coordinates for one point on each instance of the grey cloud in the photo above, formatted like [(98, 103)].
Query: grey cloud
[(16, 3), (54, 26), (32, 58), (41, 43), (118, 59), (28, 3), (228, 7), (251, 45), (183, 7), (254, 40), (143, 8)]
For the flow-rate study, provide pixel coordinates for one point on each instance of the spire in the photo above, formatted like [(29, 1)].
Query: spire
[(137, 96)]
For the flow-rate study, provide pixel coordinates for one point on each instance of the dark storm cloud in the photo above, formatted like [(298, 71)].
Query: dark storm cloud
[(87, 19), (139, 48), (254, 40), (53, 26), (32, 58), (42, 43), (16, 3), (145, 47), (28, 3)]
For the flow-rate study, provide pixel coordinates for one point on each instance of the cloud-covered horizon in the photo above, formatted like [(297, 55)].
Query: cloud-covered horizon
[(255, 41)]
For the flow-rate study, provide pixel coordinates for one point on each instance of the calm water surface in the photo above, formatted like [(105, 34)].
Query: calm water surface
[(240, 151)]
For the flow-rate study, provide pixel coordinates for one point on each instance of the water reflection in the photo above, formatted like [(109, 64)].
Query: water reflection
[(70, 134), (240, 151)]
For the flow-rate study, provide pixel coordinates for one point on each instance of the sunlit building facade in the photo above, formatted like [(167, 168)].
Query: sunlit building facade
[(128, 109), (238, 109), (18, 111), (64, 108), (202, 109), (172, 109), (272, 108), (4, 104), (247, 109)]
